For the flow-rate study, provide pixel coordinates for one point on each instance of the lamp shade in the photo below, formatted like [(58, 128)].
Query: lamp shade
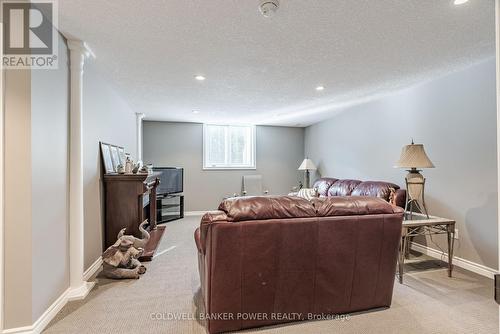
[(414, 156), (307, 164)]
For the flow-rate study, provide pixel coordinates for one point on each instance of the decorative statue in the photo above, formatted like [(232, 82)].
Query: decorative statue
[(121, 259), (138, 243), (120, 169)]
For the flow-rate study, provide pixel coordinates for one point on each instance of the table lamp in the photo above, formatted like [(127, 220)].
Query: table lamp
[(413, 156), (307, 165)]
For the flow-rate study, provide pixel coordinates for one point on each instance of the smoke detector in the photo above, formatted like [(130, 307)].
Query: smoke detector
[(269, 7)]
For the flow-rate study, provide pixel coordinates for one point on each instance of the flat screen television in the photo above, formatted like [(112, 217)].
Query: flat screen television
[(171, 180)]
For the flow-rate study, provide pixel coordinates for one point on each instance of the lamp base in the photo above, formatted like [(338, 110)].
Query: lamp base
[(415, 199), (307, 179)]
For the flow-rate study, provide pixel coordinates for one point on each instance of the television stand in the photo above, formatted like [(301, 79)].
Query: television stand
[(169, 207)]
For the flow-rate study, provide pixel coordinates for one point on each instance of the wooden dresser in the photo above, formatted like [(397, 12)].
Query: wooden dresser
[(130, 199)]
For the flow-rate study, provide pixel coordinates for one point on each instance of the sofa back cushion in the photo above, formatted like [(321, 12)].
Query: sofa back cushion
[(323, 184), (343, 187), (280, 207), (375, 189), (266, 207), (352, 205)]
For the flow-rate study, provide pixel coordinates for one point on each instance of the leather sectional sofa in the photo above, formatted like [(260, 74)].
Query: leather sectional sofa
[(271, 260), (390, 192)]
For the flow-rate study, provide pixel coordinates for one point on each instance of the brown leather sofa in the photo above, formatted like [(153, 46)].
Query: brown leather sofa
[(329, 186), (271, 260)]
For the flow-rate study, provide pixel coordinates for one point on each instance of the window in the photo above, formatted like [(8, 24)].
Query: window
[(228, 146)]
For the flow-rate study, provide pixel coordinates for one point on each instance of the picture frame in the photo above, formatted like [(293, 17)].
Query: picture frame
[(112, 156), (107, 158), (115, 157), (121, 155)]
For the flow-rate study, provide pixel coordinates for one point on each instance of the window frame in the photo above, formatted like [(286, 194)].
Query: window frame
[(228, 165)]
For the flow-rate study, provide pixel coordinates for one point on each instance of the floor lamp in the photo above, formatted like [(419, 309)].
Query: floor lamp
[(413, 156), (307, 165)]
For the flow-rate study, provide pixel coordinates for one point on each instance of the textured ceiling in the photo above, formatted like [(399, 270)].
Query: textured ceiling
[(265, 71)]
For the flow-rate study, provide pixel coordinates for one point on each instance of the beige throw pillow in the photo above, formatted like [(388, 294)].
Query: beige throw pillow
[(308, 193)]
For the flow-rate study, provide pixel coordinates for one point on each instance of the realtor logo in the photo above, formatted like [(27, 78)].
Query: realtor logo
[(29, 35)]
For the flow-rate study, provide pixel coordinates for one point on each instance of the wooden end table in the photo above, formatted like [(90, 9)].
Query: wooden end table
[(420, 225)]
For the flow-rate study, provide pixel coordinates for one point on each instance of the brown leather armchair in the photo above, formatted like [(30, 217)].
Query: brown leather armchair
[(270, 260)]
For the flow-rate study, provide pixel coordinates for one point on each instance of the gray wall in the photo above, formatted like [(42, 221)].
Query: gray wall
[(107, 118), (280, 150), (36, 180), (50, 172), (17, 205), (36, 183), (455, 118)]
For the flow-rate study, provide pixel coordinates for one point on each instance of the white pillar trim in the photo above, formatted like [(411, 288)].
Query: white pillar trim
[(139, 116), (497, 54), (2, 112), (78, 287), (497, 42)]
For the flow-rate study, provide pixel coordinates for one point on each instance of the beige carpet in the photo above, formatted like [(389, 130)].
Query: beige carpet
[(428, 302)]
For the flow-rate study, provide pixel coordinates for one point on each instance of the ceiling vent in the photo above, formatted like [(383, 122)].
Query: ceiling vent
[(269, 7)]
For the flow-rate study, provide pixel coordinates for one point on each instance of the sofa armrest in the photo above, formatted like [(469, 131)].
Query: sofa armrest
[(197, 240), (209, 218), (213, 216), (399, 198)]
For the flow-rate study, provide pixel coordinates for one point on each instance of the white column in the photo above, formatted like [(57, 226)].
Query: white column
[(139, 117), (497, 39), (1, 186), (79, 288)]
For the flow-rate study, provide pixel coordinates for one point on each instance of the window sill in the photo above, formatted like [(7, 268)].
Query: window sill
[(230, 168)]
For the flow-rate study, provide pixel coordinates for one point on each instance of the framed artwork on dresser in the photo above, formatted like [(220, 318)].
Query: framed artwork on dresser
[(107, 160), (115, 157), (112, 156), (121, 155)]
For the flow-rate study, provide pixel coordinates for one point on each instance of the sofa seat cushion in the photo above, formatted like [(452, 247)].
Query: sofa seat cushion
[(375, 189), (343, 187), (266, 207), (352, 205), (323, 184)]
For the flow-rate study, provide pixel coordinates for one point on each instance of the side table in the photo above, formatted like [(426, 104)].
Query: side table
[(420, 225)]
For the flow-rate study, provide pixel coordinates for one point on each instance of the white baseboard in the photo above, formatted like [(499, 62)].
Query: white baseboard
[(80, 292), (195, 213), (19, 330), (68, 295), (44, 319), (94, 268), (457, 261)]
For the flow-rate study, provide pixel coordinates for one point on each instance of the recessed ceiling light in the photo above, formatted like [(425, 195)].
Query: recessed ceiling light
[(459, 2), (320, 88), (195, 112), (200, 77)]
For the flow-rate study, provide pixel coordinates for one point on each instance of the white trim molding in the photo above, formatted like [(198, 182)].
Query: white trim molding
[(138, 119), (44, 319), (79, 52), (93, 269), (497, 47), (2, 245), (57, 306), (457, 261), (497, 42)]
